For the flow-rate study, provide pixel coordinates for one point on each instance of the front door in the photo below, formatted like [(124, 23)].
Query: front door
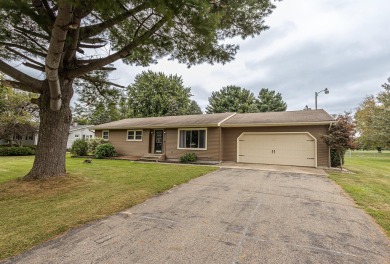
[(158, 141)]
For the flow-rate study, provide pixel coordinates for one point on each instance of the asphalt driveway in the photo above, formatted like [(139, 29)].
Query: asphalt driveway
[(229, 216)]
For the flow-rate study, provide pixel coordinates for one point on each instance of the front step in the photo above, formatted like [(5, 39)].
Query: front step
[(152, 157)]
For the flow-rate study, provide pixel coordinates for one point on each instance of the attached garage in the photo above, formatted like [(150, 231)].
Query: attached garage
[(293, 148)]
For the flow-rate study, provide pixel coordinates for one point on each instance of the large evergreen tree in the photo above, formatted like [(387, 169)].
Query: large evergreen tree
[(156, 94), (270, 101), (64, 39), (232, 99)]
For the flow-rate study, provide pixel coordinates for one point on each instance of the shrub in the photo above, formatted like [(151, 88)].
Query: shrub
[(105, 150), (188, 157), (16, 151), (79, 147), (94, 142), (335, 158)]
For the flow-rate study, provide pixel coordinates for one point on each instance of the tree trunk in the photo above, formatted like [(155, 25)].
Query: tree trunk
[(53, 134)]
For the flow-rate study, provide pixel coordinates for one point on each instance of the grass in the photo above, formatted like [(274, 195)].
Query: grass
[(369, 184), (33, 212)]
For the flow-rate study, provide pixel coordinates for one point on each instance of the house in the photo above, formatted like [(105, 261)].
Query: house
[(79, 132), (283, 138), (25, 139)]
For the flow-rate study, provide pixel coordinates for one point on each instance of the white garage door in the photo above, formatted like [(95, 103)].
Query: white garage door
[(298, 149)]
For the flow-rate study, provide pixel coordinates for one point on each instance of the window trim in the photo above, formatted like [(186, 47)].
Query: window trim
[(134, 133), (191, 129), (108, 134)]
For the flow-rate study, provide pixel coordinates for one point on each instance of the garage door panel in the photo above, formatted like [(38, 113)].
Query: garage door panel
[(282, 149)]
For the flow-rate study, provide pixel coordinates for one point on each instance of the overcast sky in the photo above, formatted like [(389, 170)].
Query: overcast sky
[(343, 45)]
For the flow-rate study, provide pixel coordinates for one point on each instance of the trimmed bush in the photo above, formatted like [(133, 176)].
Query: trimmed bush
[(16, 151), (79, 147), (94, 142), (188, 157), (104, 151)]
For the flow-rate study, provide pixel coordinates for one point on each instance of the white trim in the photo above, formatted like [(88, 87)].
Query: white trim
[(108, 136), (277, 133), (191, 129), (135, 132), (219, 124)]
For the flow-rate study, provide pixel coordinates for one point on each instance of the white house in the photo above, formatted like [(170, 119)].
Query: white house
[(79, 132), (28, 139)]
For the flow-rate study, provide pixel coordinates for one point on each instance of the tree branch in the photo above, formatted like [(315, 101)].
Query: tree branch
[(26, 31), (94, 40), (18, 85), (49, 11), (93, 30), (118, 55), (32, 51), (91, 46), (91, 79), (34, 85), (35, 67), (24, 56), (55, 52), (39, 6)]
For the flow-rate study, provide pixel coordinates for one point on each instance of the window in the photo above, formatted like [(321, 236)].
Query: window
[(105, 134), (192, 139), (134, 135), (76, 135)]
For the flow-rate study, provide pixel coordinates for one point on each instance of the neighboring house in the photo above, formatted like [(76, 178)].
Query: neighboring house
[(283, 138), (29, 139), (79, 132)]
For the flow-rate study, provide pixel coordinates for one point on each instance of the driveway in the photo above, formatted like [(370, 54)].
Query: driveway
[(229, 216)]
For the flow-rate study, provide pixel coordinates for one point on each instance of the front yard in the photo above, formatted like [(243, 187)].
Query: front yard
[(369, 184), (32, 212)]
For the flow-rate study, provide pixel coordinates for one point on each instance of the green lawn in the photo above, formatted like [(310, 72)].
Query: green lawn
[(32, 212), (369, 184)]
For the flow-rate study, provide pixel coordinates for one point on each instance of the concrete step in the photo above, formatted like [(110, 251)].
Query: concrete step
[(152, 157)]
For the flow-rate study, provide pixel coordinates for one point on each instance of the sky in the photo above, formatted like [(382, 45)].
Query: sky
[(342, 45)]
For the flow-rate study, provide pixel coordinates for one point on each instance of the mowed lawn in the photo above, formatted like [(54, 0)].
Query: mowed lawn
[(369, 184), (33, 212)]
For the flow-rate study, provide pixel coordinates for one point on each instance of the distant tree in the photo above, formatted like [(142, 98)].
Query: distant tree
[(18, 116), (270, 101), (341, 136), (98, 108), (232, 99), (373, 120), (194, 109), (156, 94)]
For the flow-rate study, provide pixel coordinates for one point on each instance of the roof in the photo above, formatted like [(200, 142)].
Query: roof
[(73, 128), (309, 117), (303, 117), (205, 120)]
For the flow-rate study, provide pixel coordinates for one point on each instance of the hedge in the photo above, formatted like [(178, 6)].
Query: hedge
[(16, 151)]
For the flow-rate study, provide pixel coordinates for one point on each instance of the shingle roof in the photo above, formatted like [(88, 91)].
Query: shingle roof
[(280, 118), (167, 121), (224, 120), (72, 128)]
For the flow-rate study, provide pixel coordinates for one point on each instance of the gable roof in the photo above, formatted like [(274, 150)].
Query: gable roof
[(74, 128), (205, 120), (309, 117), (303, 117)]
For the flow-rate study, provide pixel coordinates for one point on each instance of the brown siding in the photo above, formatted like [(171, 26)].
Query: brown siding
[(230, 135), (118, 138), (213, 145)]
